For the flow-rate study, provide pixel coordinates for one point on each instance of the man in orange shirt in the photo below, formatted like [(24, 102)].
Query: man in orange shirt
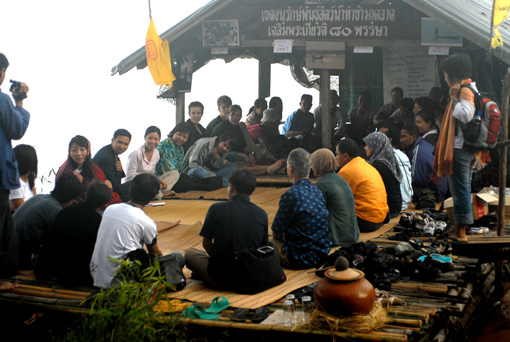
[(366, 184)]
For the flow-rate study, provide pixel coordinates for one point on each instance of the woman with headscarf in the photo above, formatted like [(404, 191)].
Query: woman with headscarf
[(343, 224), (380, 154)]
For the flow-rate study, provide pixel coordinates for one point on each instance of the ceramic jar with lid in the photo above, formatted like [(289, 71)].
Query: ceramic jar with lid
[(344, 291)]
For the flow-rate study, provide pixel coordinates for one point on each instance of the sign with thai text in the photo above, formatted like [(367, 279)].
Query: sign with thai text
[(411, 69), (343, 22)]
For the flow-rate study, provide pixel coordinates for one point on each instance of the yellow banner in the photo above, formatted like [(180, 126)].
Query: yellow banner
[(158, 57), (501, 8)]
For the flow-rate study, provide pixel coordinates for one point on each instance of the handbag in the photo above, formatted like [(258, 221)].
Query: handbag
[(256, 270)]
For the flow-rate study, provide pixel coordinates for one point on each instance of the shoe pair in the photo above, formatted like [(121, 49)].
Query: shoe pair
[(432, 228)]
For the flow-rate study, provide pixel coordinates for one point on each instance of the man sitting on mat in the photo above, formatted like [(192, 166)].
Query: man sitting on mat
[(300, 227), (215, 266), (366, 184), (126, 228)]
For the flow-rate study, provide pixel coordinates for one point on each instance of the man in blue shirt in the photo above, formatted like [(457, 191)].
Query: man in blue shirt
[(300, 123), (300, 227), (13, 125)]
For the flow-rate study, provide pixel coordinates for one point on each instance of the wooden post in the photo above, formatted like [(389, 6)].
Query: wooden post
[(503, 136), (326, 108), (264, 79), (179, 108), (505, 96)]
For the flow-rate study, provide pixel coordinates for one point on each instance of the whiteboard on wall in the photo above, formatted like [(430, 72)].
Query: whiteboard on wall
[(410, 68)]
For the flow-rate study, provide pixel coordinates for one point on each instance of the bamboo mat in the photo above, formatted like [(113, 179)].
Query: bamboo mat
[(196, 291), (180, 238), (183, 237), (191, 208), (260, 195), (364, 237)]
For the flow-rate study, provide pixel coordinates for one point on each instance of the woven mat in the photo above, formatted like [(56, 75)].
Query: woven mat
[(260, 195), (364, 237), (196, 291), (180, 238)]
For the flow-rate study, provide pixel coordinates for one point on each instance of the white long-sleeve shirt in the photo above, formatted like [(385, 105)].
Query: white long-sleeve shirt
[(464, 112)]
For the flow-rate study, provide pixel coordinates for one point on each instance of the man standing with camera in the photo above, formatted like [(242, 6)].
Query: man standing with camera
[(14, 121)]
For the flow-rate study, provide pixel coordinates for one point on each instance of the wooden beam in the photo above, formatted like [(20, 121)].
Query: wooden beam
[(326, 108)]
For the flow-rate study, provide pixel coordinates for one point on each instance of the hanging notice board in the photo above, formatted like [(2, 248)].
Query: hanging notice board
[(410, 68)]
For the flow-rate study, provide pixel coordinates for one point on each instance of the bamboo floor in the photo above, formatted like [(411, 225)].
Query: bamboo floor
[(412, 310)]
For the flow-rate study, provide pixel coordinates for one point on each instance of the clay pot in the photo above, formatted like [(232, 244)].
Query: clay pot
[(344, 291)]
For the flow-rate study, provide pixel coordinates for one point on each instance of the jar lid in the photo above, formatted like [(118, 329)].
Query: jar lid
[(349, 274)]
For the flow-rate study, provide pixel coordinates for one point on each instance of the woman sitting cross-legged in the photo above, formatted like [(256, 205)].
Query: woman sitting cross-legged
[(79, 163), (343, 224), (171, 151), (145, 158), (380, 152)]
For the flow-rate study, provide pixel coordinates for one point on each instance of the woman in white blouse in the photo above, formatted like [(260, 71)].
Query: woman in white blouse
[(145, 158)]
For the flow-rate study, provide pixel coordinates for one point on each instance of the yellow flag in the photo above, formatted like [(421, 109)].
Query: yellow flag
[(158, 57), (501, 8)]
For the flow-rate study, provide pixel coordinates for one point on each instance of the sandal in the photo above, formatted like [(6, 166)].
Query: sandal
[(260, 314), (240, 314), (218, 304), (197, 311)]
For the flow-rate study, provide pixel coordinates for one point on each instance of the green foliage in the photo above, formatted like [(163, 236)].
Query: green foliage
[(125, 311)]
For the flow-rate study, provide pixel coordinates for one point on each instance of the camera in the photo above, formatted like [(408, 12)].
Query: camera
[(14, 87)]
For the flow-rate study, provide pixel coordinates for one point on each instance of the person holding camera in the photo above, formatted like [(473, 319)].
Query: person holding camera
[(14, 121)]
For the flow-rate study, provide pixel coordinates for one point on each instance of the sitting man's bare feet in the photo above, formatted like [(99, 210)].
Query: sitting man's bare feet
[(274, 168), (5, 285)]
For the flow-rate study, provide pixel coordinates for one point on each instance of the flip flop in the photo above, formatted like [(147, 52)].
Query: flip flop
[(197, 311), (260, 314), (218, 304), (435, 256), (240, 314)]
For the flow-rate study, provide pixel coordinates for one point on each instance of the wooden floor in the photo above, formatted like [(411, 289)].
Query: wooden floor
[(192, 206), (426, 302)]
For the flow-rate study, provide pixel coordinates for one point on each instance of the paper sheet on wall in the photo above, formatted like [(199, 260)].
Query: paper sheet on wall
[(410, 68)]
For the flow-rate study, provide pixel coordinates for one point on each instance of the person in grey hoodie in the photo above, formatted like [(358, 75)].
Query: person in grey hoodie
[(206, 158)]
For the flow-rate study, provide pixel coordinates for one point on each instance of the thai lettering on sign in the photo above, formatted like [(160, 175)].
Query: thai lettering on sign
[(335, 21)]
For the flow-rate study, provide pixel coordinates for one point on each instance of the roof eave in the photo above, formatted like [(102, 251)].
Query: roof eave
[(476, 27), (138, 59)]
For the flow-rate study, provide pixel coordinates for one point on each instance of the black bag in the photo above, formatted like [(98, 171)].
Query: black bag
[(256, 270), (173, 271), (168, 265)]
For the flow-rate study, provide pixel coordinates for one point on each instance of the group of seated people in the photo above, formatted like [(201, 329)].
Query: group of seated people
[(357, 190)]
